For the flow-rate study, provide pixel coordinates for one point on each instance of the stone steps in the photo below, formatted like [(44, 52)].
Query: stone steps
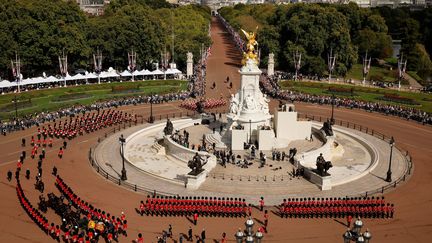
[(158, 149), (216, 139)]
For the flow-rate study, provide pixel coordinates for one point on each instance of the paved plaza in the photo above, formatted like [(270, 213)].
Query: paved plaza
[(411, 198), (274, 181)]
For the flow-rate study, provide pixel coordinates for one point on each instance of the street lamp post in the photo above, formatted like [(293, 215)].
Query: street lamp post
[(250, 131), (389, 172), (367, 236), (258, 236), (151, 118), (249, 225), (97, 59), (331, 63), (332, 121), (122, 140), (347, 236), (239, 236), (63, 67), (358, 224), (16, 106), (355, 235)]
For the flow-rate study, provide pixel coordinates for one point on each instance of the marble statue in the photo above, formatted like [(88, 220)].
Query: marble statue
[(249, 103), (189, 57), (234, 104), (263, 104), (251, 47)]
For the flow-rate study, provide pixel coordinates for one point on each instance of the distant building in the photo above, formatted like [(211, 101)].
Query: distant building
[(93, 7)]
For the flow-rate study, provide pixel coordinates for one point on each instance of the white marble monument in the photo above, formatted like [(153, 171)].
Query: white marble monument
[(189, 65), (249, 109), (270, 65)]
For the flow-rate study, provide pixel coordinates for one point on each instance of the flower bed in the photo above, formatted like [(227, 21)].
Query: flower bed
[(72, 96), (398, 99), (125, 89), (341, 91), (20, 105)]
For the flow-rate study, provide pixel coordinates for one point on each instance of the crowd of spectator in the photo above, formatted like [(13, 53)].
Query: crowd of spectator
[(197, 82), (38, 118), (208, 103), (238, 41), (270, 86)]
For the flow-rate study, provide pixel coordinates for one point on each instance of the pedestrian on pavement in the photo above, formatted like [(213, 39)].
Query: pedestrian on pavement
[(349, 219), (223, 240), (9, 175), (140, 239), (266, 218), (190, 234), (170, 233), (261, 202), (23, 142), (203, 235), (195, 218)]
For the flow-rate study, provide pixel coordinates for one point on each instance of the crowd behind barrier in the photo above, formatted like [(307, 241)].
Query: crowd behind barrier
[(367, 207), (270, 86), (39, 118), (197, 82), (238, 41), (186, 206), (208, 103)]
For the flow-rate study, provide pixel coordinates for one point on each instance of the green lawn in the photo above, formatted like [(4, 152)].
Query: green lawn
[(361, 93), (375, 73), (53, 99)]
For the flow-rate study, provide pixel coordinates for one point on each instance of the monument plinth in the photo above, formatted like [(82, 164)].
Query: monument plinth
[(249, 106)]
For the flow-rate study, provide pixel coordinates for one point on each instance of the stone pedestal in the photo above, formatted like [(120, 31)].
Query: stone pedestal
[(238, 138), (194, 182), (248, 107), (323, 182), (270, 65), (266, 139), (288, 127), (189, 65)]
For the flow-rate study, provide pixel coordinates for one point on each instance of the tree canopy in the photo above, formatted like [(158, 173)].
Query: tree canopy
[(315, 29), (40, 30)]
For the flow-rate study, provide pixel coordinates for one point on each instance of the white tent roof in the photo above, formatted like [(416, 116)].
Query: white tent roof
[(126, 73), (7, 84), (172, 71), (37, 80), (90, 75), (78, 76), (157, 72), (137, 73), (51, 79), (146, 72), (26, 81)]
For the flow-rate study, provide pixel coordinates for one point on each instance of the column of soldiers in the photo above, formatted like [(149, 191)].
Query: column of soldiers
[(34, 213), (95, 223), (336, 208), (194, 206)]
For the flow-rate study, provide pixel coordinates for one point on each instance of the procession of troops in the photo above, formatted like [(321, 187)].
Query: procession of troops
[(82, 222)]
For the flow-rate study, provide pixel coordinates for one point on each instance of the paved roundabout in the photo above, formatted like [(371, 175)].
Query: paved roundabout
[(412, 221), (360, 168)]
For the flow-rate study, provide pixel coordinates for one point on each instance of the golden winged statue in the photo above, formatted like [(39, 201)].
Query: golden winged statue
[(251, 47)]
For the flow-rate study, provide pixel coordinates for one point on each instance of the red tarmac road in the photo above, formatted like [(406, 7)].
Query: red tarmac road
[(413, 200)]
